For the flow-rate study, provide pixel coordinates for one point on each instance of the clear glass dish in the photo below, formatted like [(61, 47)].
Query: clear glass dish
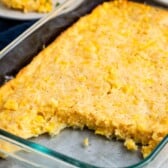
[(66, 149)]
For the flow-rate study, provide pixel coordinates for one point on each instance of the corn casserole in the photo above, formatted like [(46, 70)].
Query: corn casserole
[(107, 72), (42, 6)]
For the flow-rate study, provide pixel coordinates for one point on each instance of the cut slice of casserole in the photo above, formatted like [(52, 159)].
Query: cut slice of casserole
[(108, 72), (42, 6)]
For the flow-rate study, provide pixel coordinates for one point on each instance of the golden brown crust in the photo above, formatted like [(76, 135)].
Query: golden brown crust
[(107, 72), (42, 6)]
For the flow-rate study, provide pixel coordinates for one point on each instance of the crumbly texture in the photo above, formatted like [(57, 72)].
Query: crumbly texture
[(86, 142), (130, 144), (108, 72), (42, 6)]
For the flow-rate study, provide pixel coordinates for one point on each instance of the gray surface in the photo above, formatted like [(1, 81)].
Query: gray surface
[(12, 163), (161, 161), (100, 152)]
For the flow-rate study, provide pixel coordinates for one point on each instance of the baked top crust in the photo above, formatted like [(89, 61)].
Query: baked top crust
[(109, 72), (41, 6)]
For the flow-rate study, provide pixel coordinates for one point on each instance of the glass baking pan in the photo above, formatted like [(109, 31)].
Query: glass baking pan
[(66, 149)]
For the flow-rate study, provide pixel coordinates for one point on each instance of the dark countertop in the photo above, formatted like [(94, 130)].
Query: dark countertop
[(10, 29)]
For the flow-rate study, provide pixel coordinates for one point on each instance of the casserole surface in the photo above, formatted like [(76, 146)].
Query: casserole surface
[(29, 5), (25, 77)]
